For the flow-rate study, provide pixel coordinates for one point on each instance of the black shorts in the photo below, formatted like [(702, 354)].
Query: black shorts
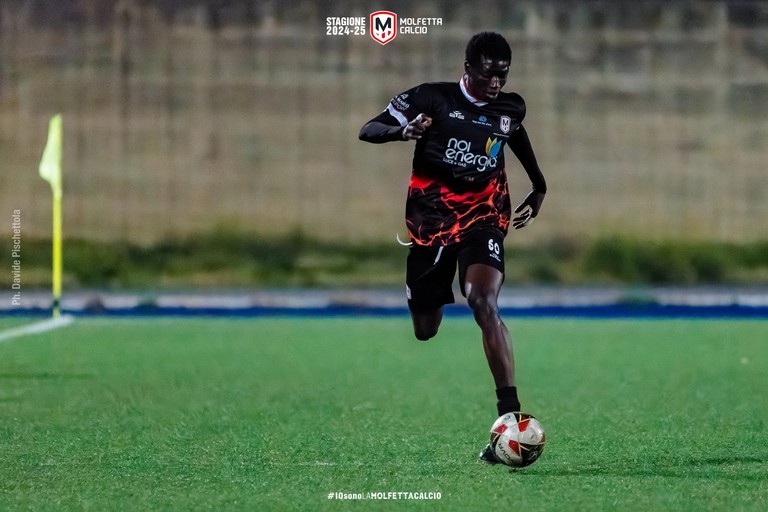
[(430, 270)]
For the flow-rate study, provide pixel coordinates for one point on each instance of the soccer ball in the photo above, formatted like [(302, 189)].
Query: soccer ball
[(517, 439)]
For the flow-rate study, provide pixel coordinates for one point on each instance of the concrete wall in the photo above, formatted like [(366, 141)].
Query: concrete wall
[(648, 118)]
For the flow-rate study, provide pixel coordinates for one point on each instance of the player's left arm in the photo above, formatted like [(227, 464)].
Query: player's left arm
[(529, 208)]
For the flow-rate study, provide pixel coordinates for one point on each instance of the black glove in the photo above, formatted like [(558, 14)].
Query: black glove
[(528, 209)]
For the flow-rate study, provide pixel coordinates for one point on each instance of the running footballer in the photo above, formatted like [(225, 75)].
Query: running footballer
[(458, 208)]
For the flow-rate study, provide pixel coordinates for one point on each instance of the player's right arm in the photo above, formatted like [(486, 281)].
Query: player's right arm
[(403, 119), (379, 130)]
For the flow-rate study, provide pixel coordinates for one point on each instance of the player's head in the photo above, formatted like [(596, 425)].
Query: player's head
[(486, 64)]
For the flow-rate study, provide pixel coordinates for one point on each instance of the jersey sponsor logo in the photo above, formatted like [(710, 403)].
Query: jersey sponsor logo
[(482, 120), (383, 26), (505, 124), (400, 103), (459, 153), (492, 147), (456, 115)]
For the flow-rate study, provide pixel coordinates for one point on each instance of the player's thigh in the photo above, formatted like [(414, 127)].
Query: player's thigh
[(429, 278), (481, 263)]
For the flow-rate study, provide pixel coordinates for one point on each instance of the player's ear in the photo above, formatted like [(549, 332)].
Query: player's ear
[(466, 66)]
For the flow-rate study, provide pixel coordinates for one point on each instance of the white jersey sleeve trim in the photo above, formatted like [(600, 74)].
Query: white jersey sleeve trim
[(397, 115)]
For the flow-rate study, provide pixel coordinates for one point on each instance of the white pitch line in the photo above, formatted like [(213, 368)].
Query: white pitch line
[(37, 327)]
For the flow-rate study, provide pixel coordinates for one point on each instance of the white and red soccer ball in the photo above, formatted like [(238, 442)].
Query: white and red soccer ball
[(517, 439)]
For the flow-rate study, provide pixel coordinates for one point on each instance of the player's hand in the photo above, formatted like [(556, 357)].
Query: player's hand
[(528, 209), (415, 128)]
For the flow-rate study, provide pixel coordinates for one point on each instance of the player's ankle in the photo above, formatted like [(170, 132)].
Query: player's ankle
[(507, 400)]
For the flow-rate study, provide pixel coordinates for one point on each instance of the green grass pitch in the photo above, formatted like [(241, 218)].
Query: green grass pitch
[(278, 413)]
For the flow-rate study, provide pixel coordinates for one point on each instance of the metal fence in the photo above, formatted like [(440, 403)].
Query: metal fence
[(648, 118)]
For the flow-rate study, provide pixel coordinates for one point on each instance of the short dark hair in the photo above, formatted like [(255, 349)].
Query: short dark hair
[(489, 45)]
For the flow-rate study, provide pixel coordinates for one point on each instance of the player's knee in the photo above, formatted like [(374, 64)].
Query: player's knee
[(484, 306), (425, 326), (424, 335), (423, 332)]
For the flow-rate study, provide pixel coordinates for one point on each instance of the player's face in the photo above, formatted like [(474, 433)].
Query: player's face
[(486, 78)]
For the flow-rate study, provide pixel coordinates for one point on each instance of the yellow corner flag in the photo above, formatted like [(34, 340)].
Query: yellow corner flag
[(50, 170)]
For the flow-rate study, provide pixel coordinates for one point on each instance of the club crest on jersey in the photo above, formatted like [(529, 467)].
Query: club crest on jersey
[(505, 124), (383, 26)]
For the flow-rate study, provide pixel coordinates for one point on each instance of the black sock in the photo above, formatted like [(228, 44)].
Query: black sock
[(508, 401)]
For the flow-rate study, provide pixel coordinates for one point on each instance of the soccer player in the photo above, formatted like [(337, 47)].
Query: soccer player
[(458, 208)]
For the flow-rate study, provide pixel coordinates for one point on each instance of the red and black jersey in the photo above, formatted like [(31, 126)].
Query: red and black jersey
[(458, 181)]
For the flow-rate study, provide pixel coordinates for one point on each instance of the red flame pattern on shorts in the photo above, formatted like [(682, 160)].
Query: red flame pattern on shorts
[(438, 215)]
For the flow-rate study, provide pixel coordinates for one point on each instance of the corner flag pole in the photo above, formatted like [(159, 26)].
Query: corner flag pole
[(50, 170)]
